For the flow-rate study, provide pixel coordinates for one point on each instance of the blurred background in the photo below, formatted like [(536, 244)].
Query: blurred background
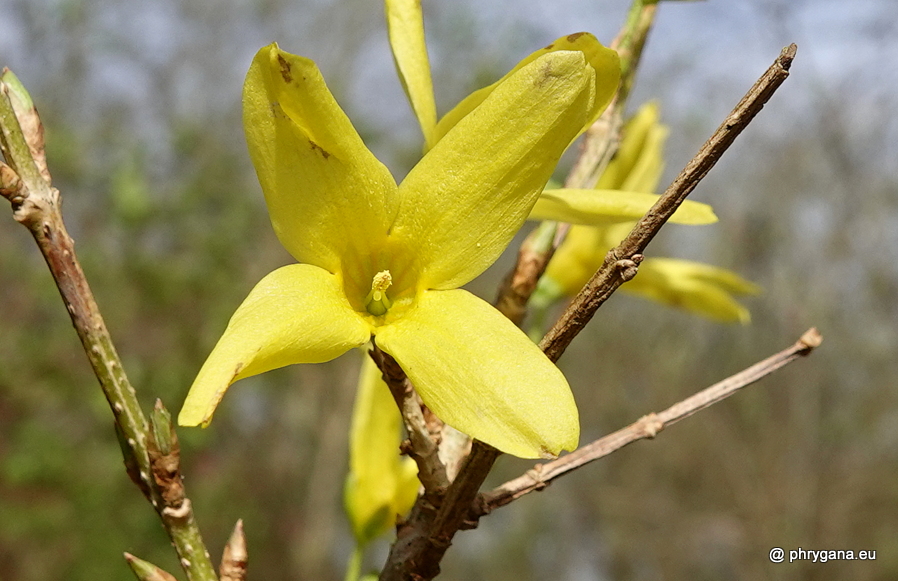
[(141, 106)]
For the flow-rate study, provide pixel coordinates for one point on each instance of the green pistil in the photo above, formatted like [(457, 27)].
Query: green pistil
[(377, 303)]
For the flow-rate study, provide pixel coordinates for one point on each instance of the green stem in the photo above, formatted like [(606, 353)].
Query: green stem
[(600, 142), (354, 567), (36, 205), (631, 41)]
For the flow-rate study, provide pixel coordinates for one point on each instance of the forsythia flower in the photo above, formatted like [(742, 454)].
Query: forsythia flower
[(383, 261), (611, 206), (700, 288)]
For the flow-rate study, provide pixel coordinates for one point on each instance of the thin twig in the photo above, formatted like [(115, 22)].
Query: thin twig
[(423, 443), (621, 262), (646, 427), (533, 257), (36, 205), (600, 143), (424, 538), (422, 541), (170, 497)]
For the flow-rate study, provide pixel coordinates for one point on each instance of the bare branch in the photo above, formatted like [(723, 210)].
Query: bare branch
[(600, 142), (36, 205), (170, 498), (533, 258), (423, 540), (645, 427), (423, 443), (622, 260)]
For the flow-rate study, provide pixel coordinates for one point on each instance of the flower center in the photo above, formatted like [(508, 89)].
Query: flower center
[(377, 303)]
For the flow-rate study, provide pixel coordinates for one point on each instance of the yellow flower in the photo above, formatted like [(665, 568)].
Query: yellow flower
[(700, 288), (637, 167), (384, 261), (381, 483), (609, 206), (405, 26)]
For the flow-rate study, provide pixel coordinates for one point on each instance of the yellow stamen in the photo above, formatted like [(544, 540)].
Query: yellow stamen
[(377, 303)]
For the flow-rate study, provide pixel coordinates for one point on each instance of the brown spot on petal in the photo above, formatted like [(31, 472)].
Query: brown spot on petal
[(285, 69), (575, 36), (546, 74), (319, 149), (550, 47)]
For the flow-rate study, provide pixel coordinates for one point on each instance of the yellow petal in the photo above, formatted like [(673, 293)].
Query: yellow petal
[(604, 60), (481, 375), (575, 261), (700, 288), (405, 25), (469, 195), (603, 207), (296, 314), (329, 198), (639, 161), (381, 484)]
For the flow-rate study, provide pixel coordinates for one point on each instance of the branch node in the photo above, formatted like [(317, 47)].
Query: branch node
[(604, 282), (180, 513), (627, 267), (646, 427), (536, 473), (10, 185), (811, 339), (650, 425)]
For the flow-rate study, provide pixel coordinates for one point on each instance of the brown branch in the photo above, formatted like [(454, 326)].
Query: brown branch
[(646, 427), (25, 182), (533, 258), (623, 260), (423, 442), (422, 541), (600, 143)]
